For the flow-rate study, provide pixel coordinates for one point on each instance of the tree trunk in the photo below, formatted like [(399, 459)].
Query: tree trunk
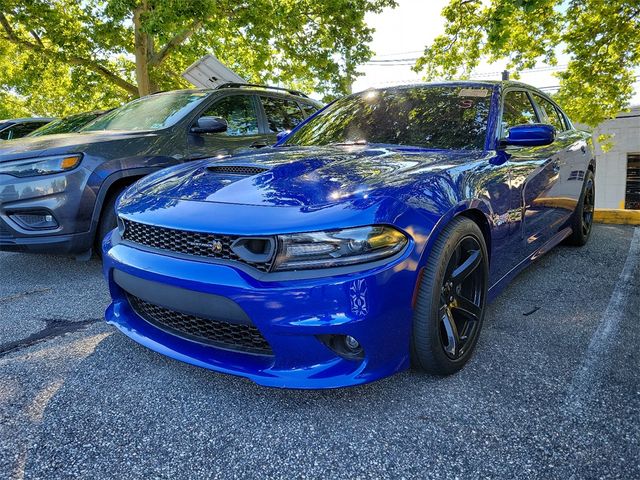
[(141, 45)]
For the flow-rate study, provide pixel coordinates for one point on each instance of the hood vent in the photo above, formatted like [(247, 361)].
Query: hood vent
[(246, 170)]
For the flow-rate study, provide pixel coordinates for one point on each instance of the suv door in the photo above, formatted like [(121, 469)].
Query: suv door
[(572, 151), (534, 173), (281, 114), (243, 128)]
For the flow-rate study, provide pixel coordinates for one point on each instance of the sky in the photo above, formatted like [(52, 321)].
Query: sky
[(403, 32)]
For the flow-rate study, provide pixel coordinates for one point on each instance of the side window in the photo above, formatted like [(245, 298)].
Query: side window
[(7, 133), (27, 128), (518, 110), (551, 114), (282, 114), (239, 112)]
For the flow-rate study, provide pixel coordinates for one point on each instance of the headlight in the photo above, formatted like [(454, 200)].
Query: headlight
[(33, 167), (337, 248)]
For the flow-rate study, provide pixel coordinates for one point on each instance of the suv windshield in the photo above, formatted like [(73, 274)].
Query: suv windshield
[(437, 117), (148, 113)]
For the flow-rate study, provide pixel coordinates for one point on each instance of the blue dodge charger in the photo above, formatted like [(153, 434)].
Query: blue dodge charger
[(367, 240)]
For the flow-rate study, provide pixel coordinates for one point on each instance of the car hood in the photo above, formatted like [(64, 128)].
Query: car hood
[(29, 147), (303, 176)]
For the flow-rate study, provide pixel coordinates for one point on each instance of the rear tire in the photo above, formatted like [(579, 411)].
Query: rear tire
[(582, 219), (108, 221), (451, 300)]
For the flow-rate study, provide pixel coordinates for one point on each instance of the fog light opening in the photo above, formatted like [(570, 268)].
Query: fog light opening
[(351, 343), (345, 346), (35, 220)]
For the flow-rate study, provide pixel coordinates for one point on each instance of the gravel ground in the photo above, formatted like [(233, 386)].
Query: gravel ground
[(551, 394)]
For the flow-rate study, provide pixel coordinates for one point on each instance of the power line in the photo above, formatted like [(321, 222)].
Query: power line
[(396, 54)]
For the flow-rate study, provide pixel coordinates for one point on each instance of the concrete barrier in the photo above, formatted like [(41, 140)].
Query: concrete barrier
[(619, 216)]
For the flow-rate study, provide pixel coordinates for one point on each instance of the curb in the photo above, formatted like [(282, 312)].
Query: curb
[(619, 216)]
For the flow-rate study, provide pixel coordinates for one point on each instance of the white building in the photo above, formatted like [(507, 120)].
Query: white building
[(618, 169)]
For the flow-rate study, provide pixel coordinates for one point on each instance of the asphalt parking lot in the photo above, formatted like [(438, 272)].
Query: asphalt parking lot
[(552, 392)]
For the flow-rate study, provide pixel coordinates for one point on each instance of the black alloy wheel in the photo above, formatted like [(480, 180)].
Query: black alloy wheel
[(582, 219), (461, 298), (588, 206), (450, 300)]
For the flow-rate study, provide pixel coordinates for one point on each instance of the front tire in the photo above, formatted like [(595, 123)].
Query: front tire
[(108, 221), (451, 300), (582, 219)]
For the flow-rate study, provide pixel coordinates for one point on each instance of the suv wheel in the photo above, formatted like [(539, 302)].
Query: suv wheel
[(108, 221)]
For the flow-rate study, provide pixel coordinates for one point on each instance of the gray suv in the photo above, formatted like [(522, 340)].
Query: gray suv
[(57, 191)]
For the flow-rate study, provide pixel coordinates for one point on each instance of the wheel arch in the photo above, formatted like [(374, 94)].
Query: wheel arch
[(480, 219), (478, 211), (113, 184)]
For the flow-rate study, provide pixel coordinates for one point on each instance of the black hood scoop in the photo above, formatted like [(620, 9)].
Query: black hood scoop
[(244, 170)]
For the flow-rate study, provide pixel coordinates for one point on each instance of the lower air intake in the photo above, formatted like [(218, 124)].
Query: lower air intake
[(230, 336)]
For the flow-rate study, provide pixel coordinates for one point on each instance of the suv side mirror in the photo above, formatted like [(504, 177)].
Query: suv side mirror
[(210, 125), (530, 135)]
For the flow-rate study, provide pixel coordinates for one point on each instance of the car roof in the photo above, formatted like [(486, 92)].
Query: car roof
[(28, 119), (502, 84), (247, 87)]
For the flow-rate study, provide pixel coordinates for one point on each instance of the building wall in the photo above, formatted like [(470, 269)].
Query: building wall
[(611, 172)]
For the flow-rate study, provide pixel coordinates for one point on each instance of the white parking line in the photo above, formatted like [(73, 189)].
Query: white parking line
[(588, 376)]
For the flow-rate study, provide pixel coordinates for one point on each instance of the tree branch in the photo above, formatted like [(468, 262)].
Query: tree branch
[(37, 38), (67, 58), (176, 41)]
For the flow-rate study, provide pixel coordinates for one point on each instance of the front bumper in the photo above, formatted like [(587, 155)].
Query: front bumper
[(65, 196), (373, 306)]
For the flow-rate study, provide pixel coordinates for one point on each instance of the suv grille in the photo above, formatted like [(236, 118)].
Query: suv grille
[(245, 338), (190, 243), (237, 169)]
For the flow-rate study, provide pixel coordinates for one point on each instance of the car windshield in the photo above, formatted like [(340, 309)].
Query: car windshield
[(148, 113), (435, 117), (68, 124)]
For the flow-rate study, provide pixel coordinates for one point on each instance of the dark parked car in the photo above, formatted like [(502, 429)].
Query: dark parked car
[(57, 191), (70, 124), (370, 238), (20, 127)]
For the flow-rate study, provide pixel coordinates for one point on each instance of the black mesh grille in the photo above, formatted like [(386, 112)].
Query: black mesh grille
[(190, 243), (4, 229), (244, 338), (237, 169)]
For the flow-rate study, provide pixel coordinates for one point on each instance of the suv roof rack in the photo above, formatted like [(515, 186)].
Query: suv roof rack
[(267, 87)]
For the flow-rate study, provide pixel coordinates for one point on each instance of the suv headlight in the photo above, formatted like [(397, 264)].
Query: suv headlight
[(336, 248), (32, 167)]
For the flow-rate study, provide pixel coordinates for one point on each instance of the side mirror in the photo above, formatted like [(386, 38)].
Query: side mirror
[(210, 125), (530, 135)]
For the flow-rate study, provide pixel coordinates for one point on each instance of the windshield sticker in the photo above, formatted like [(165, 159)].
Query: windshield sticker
[(473, 92)]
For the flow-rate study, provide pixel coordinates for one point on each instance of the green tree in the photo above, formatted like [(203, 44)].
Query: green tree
[(601, 38), (60, 56)]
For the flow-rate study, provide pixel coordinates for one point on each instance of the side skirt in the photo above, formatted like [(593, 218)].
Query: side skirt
[(501, 284)]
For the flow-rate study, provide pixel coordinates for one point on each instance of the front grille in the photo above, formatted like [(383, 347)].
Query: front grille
[(190, 243), (237, 169), (244, 338), (5, 231)]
